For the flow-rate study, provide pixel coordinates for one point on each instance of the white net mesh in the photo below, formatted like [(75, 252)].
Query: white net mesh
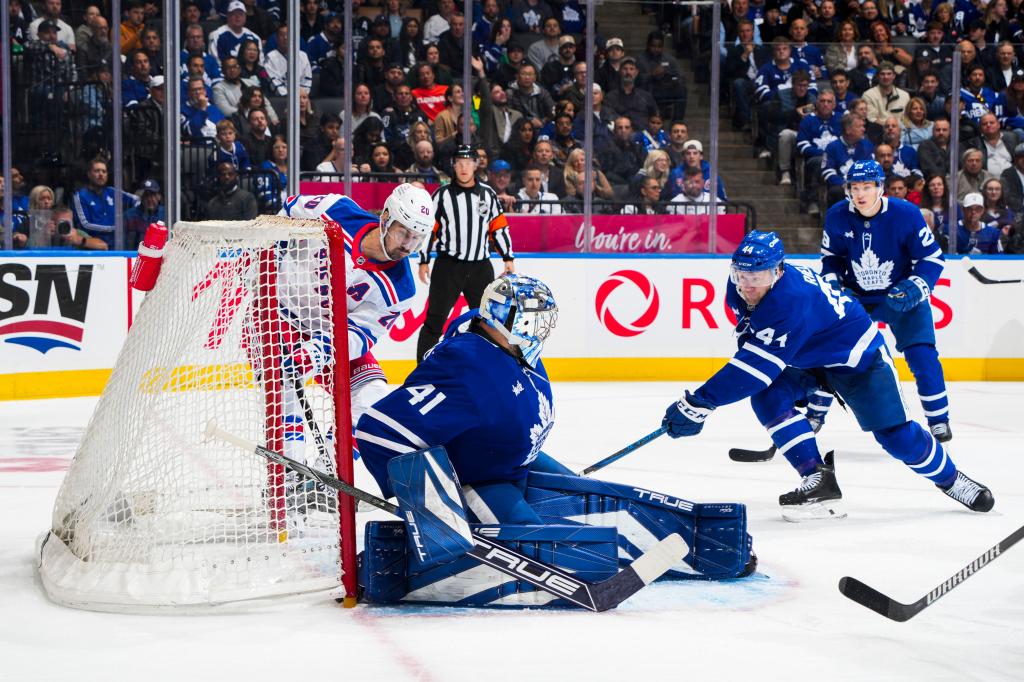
[(149, 514)]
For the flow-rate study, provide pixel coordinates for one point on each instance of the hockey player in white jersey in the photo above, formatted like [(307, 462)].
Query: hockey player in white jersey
[(379, 288)]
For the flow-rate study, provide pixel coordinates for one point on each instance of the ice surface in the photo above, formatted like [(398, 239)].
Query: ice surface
[(786, 622)]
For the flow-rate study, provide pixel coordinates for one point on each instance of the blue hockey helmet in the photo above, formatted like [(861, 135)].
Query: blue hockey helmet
[(865, 171), (757, 259), (523, 310)]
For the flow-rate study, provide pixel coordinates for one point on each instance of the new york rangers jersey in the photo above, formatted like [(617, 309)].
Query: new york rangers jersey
[(378, 292), (815, 134), (982, 102), (869, 255), (801, 322), (490, 411)]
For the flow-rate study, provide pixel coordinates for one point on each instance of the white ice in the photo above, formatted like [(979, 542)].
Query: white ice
[(788, 621)]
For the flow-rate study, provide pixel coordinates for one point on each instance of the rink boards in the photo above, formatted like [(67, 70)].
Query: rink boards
[(63, 319)]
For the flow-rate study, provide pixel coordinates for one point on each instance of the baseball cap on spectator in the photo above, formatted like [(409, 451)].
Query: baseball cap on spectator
[(156, 82), (627, 60), (1018, 150), (393, 65), (150, 186), (924, 53), (973, 199), (566, 40), (500, 166), (465, 151), (693, 144), (1018, 75), (236, 6), (614, 42), (47, 25), (380, 19)]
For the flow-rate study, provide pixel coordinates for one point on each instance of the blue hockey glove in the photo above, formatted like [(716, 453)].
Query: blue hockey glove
[(908, 294), (686, 417)]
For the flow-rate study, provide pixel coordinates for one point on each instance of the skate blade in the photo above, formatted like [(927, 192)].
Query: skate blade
[(814, 511)]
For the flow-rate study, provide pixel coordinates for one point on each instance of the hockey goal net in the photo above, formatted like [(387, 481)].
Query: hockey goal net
[(150, 515)]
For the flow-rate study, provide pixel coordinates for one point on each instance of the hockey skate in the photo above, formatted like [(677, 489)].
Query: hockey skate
[(817, 497), (942, 432), (970, 493)]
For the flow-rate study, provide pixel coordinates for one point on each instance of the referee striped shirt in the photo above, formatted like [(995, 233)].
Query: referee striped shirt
[(466, 220)]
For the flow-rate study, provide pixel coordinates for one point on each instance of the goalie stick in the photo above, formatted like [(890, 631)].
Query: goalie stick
[(868, 596), (976, 274), (594, 596), (624, 451)]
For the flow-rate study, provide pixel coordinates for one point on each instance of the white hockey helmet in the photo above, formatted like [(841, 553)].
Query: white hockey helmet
[(523, 310), (412, 207)]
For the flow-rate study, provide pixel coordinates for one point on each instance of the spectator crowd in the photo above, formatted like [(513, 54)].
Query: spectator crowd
[(818, 85)]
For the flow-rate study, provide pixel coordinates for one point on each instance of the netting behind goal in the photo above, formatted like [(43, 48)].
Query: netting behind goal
[(149, 515)]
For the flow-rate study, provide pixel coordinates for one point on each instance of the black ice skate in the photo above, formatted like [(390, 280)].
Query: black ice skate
[(942, 432), (817, 497), (970, 493)]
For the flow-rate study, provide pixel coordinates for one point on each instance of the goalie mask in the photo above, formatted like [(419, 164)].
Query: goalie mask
[(413, 209), (523, 310)]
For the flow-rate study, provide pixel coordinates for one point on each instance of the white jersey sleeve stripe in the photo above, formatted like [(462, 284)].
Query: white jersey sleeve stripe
[(762, 353), (932, 397), (397, 427), (858, 350), (383, 442), (757, 374)]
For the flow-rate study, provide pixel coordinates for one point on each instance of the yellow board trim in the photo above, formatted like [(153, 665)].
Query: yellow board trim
[(90, 382)]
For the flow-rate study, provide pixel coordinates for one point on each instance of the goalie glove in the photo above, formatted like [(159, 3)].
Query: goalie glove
[(307, 358), (686, 416), (908, 294)]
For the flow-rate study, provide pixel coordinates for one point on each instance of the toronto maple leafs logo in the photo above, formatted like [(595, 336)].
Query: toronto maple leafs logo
[(824, 139), (871, 273), (518, 388), (539, 431)]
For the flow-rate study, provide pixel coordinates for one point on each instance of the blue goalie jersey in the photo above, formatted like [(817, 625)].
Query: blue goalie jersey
[(802, 322), (490, 411), (869, 255)]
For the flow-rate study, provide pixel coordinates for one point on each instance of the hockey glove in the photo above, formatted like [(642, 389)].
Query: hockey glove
[(908, 294), (306, 358), (686, 417)]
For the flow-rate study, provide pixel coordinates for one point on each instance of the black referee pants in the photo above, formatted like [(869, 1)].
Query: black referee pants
[(449, 278)]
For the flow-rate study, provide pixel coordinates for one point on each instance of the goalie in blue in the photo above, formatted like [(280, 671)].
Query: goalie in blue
[(483, 394), (880, 249), (798, 331)]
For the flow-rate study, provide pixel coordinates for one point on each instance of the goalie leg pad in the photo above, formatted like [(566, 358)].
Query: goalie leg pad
[(388, 575), (430, 500), (716, 534)]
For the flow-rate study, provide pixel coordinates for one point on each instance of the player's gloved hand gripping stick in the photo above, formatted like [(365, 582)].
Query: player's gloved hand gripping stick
[(594, 596)]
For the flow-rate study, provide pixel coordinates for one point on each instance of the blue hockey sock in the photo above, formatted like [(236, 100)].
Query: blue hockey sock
[(914, 446), (792, 435), (818, 404), (923, 360)]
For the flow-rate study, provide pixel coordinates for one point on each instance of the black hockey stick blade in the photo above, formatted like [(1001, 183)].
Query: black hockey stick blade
[(867, 596), (742, 455), (599, 596), (976, 274)]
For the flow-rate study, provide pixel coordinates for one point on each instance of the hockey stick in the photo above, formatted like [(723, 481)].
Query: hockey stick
[(742, 455), (879, 603), (976, 274), (624, 451), (599, 596), (314, 428)]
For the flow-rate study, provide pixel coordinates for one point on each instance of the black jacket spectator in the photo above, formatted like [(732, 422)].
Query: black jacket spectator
[(623, 158), (637, 105)]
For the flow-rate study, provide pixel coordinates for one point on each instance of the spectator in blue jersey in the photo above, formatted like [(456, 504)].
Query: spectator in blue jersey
[(483, 25), (228, 149), (528, 16), (840, 82), (791, 105), (693, 157), (798, 331), (972, 234), (840, 154), (815, 133), (150, 209), (135, 88), (225, 40), (322, 45), (997, 213), (802, 50), (195, 44), (904, 158), (276, 163), (654, 136), (94, 204), (773, 75), (199, 116)]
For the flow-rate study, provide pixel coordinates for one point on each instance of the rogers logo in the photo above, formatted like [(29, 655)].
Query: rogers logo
[(650, 303)]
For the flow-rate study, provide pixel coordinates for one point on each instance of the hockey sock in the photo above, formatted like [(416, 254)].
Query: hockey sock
[(914, 446), (818, 404), (923, 360), (793, 436)]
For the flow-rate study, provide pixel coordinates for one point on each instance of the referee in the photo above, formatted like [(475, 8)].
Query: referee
[(468, 217)]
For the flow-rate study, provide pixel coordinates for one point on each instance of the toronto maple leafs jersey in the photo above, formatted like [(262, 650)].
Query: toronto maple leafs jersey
[(905, 162), (378, 292), (490, 411), (869, 255), (985, 240), (839, 156), (801, 322), (816, 133), (770, 78)]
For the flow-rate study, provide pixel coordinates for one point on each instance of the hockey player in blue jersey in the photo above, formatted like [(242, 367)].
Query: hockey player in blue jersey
[(797, 331), (880, 249)]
